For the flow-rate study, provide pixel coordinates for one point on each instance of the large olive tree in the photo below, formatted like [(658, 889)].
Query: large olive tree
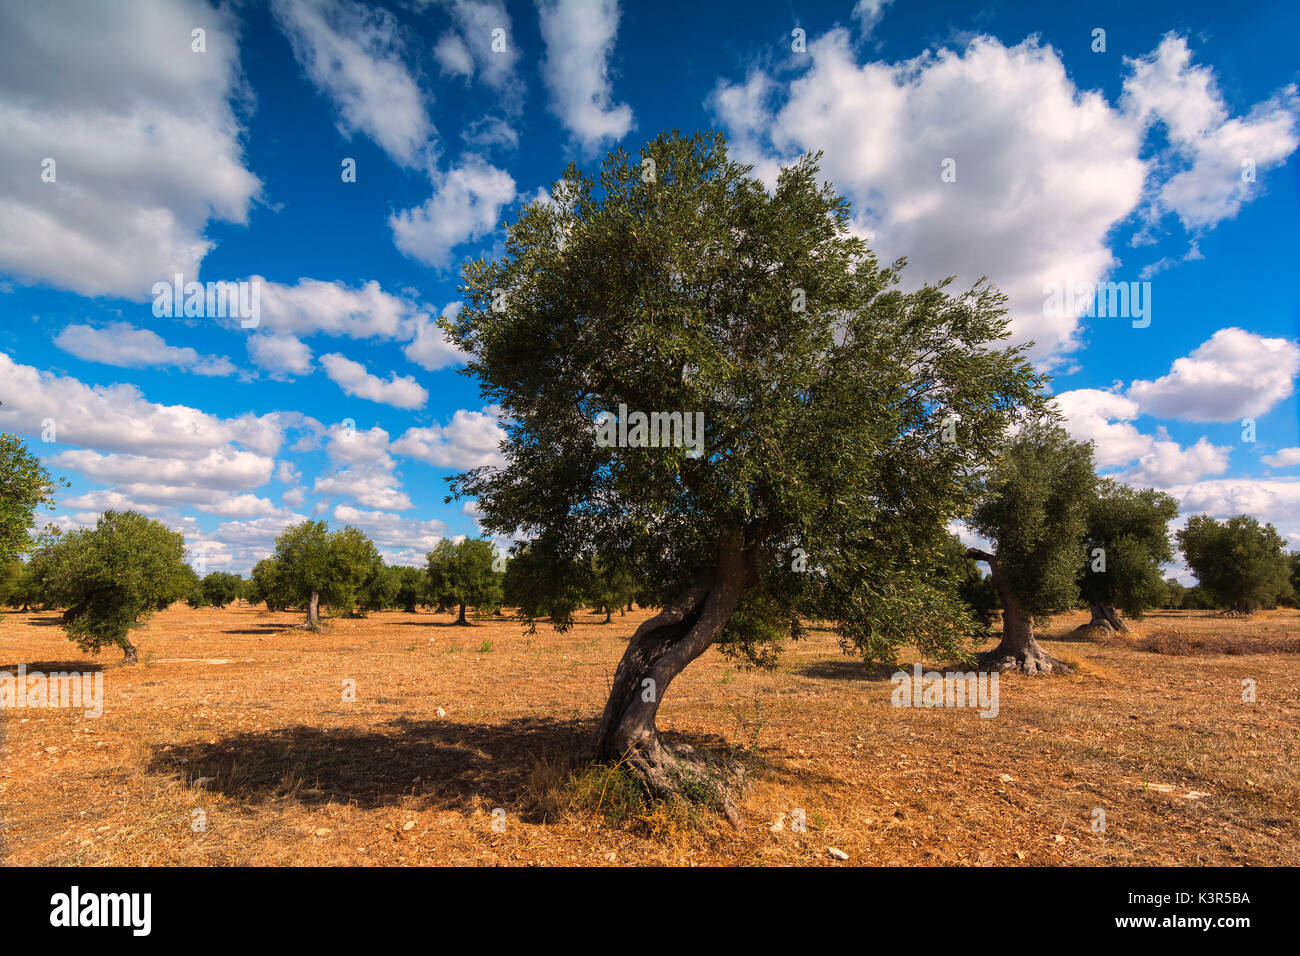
[(844, 421)]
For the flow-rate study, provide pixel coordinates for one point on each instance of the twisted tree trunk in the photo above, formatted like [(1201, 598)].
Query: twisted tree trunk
[(1103, 615), (659, 650), (1018, 649), (130, 653)]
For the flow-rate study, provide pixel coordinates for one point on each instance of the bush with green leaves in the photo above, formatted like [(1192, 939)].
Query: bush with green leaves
[(463, 574), (825, 394), (110, 578), (1239, 563)]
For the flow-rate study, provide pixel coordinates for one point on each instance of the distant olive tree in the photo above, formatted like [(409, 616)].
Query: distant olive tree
[(313, 565), (1239, 563), (464, 575)]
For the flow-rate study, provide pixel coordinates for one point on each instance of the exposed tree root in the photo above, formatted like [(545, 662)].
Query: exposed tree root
[(1031, 660), (679, 773)]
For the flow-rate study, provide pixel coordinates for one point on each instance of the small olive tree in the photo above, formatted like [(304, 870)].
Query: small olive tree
[(313, 564), (464, 575), (111, 578)]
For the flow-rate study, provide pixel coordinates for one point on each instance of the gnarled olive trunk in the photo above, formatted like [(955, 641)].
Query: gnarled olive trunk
[(1103, 615), (130, 653), (1018, 649), (659, 650), (461, 620), (313, 611)]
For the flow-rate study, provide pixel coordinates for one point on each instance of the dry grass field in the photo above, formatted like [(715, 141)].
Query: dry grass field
[(233, 714)]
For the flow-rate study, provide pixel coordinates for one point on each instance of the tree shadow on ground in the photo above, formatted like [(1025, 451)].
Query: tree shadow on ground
[(459, 765), (49, 667), (473, 623), (848, 669)]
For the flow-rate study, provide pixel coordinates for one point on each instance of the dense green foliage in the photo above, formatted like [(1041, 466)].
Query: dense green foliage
[(111, 577), (1238, 562), (464, 575), (24, 486), (1131, 528), (824, 392)]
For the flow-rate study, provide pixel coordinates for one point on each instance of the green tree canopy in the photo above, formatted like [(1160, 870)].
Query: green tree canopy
[(1238, 562), (464, 575), (24, 486), (111, 578), (818, 393), (1034, 509), (1127, 542)]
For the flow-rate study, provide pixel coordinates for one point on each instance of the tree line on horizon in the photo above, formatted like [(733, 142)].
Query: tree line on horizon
[(1066, 540)]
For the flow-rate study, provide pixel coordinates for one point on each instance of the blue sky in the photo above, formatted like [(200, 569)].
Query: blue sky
[(1068, 164)]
